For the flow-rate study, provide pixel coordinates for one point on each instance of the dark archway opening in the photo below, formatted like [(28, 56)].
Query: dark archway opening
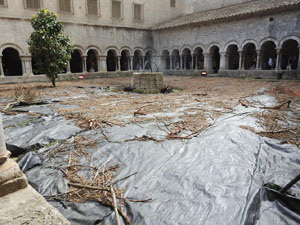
[(148, 60), (11, 62), (199, 59), (76, 62), (111, 61), (187, 59), (125, 60), (250, 56), (290, 55), (268, 55), (215, 59), (166, 59), (233, 57), (137, 60), (176, 60), (91, 61)]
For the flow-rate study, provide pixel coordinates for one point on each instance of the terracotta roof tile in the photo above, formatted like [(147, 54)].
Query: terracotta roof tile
[(252, 7)]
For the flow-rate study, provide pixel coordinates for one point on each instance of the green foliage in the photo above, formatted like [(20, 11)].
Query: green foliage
[(49, 47)]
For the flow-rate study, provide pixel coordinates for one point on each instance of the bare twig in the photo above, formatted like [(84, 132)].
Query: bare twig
[(89, 187), (115, 205), (124, 178)]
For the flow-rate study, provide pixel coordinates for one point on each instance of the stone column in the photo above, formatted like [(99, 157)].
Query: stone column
[(103, 63), (193, 64), (278, 59), (128, 63), (196, 62), (143, 63), (241, 60), (84, 63), (11, 178), (69, 67), (1, 67), (131, 57), (258, 58), (171, 62), (119, 63), (208, 62), (26, 65), (181, 62), (98, 63), (222, 60), (299, 59)]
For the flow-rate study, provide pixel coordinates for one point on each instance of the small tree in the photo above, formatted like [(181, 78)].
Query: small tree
[(49, 47)]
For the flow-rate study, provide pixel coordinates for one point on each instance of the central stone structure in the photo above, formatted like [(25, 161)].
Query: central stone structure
[(147, 82)]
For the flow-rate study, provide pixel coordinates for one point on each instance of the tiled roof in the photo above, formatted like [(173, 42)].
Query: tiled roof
[(238, 10)]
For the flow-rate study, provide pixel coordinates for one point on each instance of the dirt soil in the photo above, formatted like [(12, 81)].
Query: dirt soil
[(195, 103)]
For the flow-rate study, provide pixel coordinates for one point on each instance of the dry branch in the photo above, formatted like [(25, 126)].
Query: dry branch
[(287, 103)]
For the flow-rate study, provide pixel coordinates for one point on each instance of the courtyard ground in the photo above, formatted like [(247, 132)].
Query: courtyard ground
[(209, 147)]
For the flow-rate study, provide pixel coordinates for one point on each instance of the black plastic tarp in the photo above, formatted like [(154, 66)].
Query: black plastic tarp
[(214, 178)]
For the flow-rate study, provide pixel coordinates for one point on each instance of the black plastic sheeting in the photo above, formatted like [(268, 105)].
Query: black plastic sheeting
[(215, 178)]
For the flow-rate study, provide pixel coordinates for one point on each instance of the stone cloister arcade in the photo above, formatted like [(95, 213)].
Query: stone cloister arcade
[(268, 54)]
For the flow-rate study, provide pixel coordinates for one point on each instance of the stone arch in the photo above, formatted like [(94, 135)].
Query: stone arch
[(91, 60), (138, 59), (112, 48), (185, 47), (249, 41), (289, 37), (225, 49), (76, 62), (80, 49), (249, 49), (232, 52), (94, 48), (125, 59), (290, 53), (187, 61), (139, 49), (214, 44), (214, 51), (272, 39), (165, 59), (11, 45), (175, 59), (198, 46), (11, 61), (198, 57), (175, 48), (112, 59), (126, 48), (149, 54), (268, 54)]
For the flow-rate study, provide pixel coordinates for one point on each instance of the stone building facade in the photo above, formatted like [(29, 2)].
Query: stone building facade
[(229, 37)]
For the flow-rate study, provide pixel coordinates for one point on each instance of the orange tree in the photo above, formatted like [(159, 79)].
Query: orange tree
[(49, 46)]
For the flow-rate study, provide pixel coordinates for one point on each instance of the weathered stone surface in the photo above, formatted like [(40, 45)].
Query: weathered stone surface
[(148, 82), (26, 206), (8, 171)]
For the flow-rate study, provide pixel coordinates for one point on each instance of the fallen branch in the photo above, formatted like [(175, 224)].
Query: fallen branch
[(124, 178), (124, 216), (138, 111), (144, 138), (89, 187), (279, 106), (115, 205), (146, 200)]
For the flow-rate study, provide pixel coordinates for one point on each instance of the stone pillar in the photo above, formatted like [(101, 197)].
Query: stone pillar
[(103, 66), (193, 64), (299, 58), (196, 62), (26, 65), (11, 178), (98, 63), (258, 60), (278, 59), (1, 67), (68, 67), (222, 60), (119, 63), (128, 63), (84, 63), (181, 62), (208, 62), (143, 63), (171, 62), (131, 57), (241, 60)]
